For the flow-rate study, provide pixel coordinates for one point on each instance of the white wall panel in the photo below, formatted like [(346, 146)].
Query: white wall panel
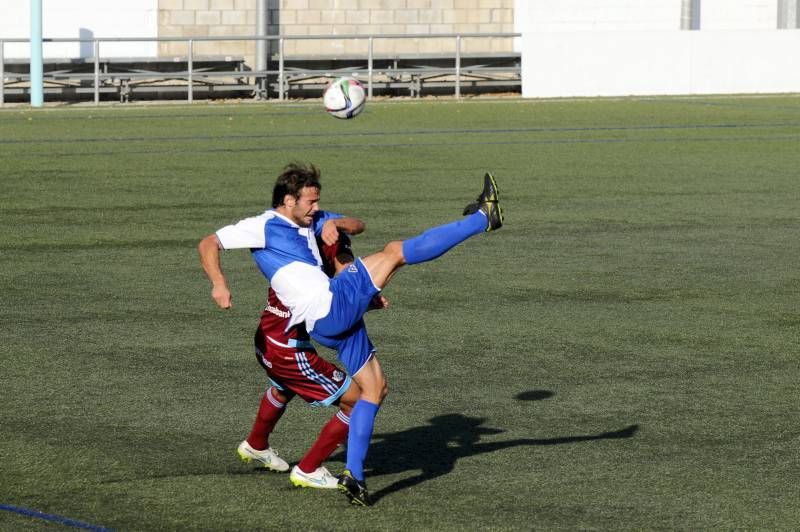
[(651, 63), (85, 18), (593, 15), (738, 14), (579, 15)]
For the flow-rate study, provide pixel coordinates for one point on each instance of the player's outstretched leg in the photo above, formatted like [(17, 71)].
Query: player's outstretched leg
[(483, 215)]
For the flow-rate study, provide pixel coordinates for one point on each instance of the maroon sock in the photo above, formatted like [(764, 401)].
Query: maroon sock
[(332, 435), (269, 412)]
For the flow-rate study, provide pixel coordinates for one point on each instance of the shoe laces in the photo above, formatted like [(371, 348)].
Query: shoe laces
[(270, 451)]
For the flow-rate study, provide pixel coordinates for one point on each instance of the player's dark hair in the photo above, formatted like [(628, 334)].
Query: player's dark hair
[(340, 252), (344, 250), (293, 179)]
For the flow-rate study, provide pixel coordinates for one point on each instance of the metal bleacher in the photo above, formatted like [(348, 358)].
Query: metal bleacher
[(284, 76), (127, 78), (407, 74)]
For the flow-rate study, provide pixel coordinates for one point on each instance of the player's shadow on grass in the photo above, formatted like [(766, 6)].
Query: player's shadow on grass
[(434, 448)]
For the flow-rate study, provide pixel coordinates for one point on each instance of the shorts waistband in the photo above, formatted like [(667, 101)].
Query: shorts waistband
[(293, 343)]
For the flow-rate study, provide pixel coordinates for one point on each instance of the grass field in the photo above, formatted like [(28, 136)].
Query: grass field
[(622, 354)]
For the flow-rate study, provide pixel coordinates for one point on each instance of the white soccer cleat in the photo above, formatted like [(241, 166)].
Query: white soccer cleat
[(321, 478), (268, 458)]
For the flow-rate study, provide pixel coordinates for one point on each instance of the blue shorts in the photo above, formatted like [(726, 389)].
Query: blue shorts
[(343, 329), (353, 347)]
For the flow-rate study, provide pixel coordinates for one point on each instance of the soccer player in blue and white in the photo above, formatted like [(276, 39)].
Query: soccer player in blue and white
[(283, 243)]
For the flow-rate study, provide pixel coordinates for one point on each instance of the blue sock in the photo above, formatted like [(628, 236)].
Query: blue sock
[(436, 241), (362, 419)]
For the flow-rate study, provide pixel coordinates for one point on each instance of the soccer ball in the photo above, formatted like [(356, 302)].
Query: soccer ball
[(344, 98)]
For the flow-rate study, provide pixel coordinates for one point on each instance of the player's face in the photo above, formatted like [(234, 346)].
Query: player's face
[(305, 206)]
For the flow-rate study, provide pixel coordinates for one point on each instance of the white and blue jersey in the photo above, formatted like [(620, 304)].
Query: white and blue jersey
[(289, 258)]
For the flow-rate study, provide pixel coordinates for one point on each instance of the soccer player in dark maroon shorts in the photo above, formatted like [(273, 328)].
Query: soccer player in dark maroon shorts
[(294, 368)]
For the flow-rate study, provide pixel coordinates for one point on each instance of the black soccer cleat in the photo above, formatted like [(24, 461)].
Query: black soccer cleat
[(488, 202), (356, 490)]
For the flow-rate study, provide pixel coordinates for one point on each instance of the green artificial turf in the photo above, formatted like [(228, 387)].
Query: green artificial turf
[(622, 354)]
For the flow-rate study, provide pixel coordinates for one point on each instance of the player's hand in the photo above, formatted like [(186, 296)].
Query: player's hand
[(330, 232), (222, 297), (378, 303)]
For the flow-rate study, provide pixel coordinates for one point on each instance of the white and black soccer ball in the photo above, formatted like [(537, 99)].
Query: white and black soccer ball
[(344, 98)]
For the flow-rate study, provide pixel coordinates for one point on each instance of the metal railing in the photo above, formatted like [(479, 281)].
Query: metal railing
[(190, 74)]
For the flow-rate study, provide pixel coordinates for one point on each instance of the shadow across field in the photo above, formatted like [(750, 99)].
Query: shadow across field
[(434, 449)]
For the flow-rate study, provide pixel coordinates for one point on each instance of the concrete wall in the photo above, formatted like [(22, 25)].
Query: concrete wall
[(338, 17), (207, 18), (599, 63), (410, 17), (214, 18)]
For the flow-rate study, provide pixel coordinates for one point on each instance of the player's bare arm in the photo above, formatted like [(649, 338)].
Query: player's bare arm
[(351, 226), (208, 248), (331, 228)]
